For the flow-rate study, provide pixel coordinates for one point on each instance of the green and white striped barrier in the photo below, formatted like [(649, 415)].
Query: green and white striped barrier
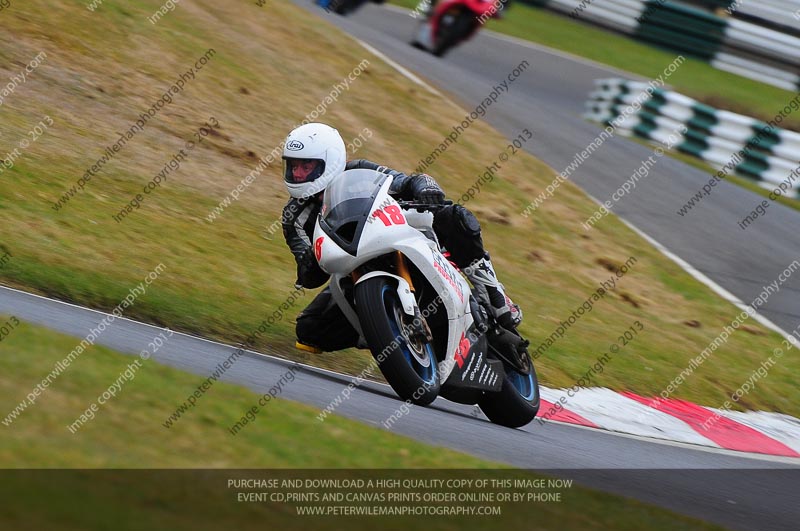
[(749, 147), (743, 48), (783, 15)]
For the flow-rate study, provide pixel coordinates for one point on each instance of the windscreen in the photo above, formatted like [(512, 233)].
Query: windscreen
[(350, 196)]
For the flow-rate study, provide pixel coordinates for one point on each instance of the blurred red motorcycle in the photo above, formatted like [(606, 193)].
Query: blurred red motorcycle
[(343, 7), (454, 21)]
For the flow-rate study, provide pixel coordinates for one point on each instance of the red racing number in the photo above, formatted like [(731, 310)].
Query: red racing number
[(395, 216), (462, 351), (318, 248)]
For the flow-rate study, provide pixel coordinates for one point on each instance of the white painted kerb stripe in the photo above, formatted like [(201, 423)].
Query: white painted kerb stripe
[(782, 428), (615, 412)]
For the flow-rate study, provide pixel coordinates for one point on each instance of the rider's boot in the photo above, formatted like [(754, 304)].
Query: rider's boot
[(307, 348), (491, 293)]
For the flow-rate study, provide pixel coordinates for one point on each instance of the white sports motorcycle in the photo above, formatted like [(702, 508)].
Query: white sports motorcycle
[(413, 307)]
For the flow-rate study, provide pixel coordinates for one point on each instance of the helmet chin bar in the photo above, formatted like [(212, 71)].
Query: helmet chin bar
[(311, 189)]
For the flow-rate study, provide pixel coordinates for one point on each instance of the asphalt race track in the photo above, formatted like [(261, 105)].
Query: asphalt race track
[(734, 490), (548, 99)]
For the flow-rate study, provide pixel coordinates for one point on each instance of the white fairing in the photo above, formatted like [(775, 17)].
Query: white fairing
[(378, 239)]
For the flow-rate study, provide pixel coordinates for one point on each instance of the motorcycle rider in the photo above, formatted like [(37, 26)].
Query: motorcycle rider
[(434, 40), (314, 154), (431, 5)]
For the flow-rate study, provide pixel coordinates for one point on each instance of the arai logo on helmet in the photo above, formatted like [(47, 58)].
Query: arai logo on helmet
[(294, 145)]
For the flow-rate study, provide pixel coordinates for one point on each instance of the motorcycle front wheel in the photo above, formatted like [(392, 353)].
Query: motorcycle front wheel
[(408, 364)]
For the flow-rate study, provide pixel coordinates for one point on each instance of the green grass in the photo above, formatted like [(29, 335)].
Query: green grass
[(694, 78), (224, 278), (127, 433), (124, 430)]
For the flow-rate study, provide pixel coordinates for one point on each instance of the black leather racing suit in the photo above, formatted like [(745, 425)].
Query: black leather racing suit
[(322, 324)]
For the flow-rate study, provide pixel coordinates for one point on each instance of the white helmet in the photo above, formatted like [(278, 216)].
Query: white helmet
[(309, 143)]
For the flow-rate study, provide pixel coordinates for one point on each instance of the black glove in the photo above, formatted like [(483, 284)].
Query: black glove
[(426, 189), (309, 273)]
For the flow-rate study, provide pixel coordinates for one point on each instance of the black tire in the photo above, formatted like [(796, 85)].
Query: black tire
[(452, 34), (376, 300), (343, 7), (508, 407)]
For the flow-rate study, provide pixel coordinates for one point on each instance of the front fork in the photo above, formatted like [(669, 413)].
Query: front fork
[(418, 328)]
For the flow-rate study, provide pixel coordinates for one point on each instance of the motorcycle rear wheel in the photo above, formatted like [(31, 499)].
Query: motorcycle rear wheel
[(517, 402), (344, 7)]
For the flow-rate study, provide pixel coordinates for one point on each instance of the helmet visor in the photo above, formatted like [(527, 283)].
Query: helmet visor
[(299, 171)]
